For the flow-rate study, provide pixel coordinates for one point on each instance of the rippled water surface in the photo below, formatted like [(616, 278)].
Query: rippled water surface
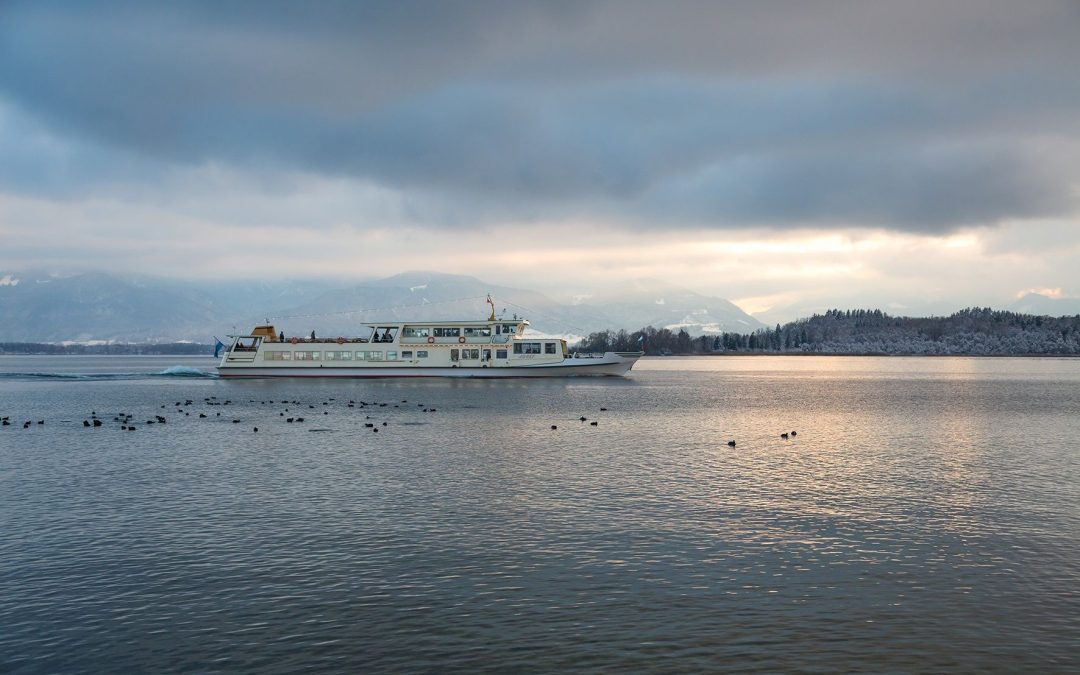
[(925, 517)]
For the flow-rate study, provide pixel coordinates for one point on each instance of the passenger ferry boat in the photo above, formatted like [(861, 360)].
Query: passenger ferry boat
[(491, 348)]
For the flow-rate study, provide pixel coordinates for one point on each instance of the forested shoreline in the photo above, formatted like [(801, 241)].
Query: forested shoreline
[(119, 348), (974, 331)]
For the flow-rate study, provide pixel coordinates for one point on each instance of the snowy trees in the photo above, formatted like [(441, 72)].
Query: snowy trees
[(975, 331)]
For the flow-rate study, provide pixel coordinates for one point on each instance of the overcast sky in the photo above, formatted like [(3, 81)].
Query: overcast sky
[(913, 156)]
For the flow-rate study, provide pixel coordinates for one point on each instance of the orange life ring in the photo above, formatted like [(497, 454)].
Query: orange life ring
[(340, 340), (293, 340), (461, 340), (431, 340)]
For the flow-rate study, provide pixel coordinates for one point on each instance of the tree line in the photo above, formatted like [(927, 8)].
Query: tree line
[(162, 349), (974, 331)]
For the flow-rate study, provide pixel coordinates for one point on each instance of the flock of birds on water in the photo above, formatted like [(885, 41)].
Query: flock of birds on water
[(127, 421)]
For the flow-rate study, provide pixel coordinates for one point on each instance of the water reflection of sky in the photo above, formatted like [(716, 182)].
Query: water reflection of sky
[(875, 366), (925, 516)]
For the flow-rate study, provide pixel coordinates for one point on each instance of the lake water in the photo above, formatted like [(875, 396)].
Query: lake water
[(926, 517)]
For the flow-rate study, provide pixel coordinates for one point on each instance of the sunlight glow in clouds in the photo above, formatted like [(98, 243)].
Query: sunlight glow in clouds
[(1048, 292), (783, 274)]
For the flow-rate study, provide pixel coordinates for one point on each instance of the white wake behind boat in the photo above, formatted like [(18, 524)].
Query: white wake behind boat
[(491, 348)]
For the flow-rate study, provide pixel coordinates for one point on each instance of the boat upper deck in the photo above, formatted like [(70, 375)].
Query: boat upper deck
[(432, 332), (470, 322)]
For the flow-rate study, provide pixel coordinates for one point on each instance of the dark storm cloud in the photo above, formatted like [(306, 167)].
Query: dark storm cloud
[(916, 116), (926, 190)]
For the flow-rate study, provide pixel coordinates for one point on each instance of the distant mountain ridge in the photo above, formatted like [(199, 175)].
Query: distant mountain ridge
[(651, 302), (1045, 305), (96, 306)]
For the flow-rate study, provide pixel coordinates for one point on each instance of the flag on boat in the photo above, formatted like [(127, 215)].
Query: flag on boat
[(218, 347)]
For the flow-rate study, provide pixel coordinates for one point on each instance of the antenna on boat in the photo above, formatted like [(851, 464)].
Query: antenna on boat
[(492, 303)]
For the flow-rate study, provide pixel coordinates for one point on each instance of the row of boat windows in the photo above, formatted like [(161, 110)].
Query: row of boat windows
[(471, 354), (534, 348), (453, 332), (341, 355), (455, 355)]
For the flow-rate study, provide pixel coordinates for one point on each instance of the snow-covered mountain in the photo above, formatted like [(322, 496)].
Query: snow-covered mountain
[(92, 306), (419, 296), (39, 307), (97, 306), (1044, 305), (651, 302)]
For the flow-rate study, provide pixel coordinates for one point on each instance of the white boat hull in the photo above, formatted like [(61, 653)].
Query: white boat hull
[(610, 364)]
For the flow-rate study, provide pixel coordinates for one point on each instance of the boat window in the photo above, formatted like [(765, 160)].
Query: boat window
[(527, 347), (549, 347), (478, 331), (414, 332), (421, 354), (246, 344), (360, 356), (391, 356), (453, 355), (509, 329), (384, 334), (374, 356), (406, 355), (275, 356), (338, 356), (286, 356), (470, 353), (500, 353), (447, 332)]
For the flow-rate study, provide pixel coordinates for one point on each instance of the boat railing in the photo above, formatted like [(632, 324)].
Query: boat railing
[(476, 340), (322, 341)]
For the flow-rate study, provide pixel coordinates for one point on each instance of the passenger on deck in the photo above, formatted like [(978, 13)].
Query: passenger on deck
[(281, 337), (313, 336)]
